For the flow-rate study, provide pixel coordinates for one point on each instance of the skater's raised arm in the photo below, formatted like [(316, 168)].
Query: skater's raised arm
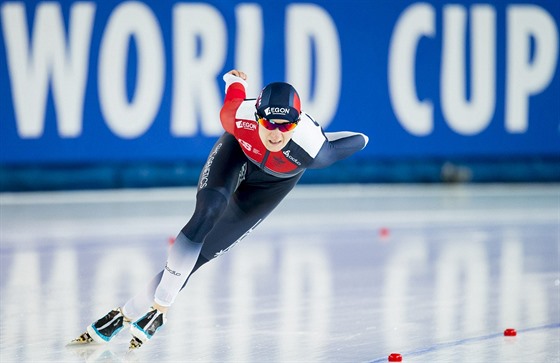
[(235, 94)]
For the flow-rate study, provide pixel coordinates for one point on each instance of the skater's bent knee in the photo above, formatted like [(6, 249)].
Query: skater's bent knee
[(210, 204)]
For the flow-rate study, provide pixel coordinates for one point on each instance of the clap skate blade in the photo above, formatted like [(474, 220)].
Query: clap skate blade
[(85, 338)]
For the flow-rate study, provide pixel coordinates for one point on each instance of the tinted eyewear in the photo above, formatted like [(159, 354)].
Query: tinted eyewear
[(271, 125)]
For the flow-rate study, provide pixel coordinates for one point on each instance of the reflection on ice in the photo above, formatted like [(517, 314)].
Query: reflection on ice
[(312, 294)]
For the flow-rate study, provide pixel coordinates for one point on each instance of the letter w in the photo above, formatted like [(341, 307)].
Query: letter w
[(48, 58)]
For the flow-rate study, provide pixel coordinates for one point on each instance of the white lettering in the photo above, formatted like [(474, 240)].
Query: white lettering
[(48, 57), (199, 45), (245, 144), (414, 115), (206, 171), (287, 154), (249, 41), (246, 125), (310, 26), (468, 115), (527, 72), (276, 111), (526, 75), (131, 21)]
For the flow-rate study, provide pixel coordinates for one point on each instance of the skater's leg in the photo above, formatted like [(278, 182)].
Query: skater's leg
[(182, 256), (218, 180), (251, 203), (137, 305), (180, 262), (245, 211), (248, 207)]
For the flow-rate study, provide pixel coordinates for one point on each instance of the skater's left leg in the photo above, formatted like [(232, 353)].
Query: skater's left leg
[(251, 203)]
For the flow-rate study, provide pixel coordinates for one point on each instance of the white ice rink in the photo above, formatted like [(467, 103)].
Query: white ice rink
[(336, 274)]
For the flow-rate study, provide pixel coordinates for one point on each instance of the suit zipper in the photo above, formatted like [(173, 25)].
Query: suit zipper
[(266, 154)]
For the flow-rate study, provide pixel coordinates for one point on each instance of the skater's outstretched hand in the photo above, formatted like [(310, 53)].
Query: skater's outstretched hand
[(239, 74)]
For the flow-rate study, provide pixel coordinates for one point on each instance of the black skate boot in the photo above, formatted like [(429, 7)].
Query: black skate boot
[(104, 329), (144, 328)]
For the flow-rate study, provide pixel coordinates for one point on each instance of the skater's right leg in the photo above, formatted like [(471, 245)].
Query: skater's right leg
[(181, 261), (219, 178)]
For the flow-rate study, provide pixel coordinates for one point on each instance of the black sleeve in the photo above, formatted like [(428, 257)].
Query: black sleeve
[(339, 145)]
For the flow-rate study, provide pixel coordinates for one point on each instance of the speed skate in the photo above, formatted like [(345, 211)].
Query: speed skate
[(104, 329)]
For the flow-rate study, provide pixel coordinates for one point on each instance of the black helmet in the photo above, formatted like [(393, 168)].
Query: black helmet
[(279, 100)]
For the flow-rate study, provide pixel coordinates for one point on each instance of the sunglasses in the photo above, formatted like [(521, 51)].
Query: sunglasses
[(271, 125)]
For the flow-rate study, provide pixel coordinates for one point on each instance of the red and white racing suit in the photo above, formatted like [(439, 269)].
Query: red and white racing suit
[(309, 148)]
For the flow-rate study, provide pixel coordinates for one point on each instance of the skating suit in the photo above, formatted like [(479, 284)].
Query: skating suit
[(242, 182)]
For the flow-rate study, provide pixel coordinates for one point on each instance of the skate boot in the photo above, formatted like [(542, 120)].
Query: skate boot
[(104, 329), (144, 328)]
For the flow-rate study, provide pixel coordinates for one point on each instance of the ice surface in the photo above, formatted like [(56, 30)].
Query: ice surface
[(316, 282)]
